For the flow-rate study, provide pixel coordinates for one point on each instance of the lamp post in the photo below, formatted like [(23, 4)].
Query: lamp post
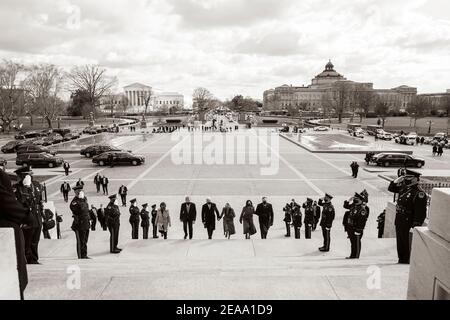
[(429, 126)]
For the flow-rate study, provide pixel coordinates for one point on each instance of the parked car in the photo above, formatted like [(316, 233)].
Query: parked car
[(96, 150), (38, 160), (31, 148), (11, 147), (120, 158), (359, 133), (397, 159), (440, 136), (321, 128), (27, 135), (70, 136), (61, 132), (385, 136), (38, 142)]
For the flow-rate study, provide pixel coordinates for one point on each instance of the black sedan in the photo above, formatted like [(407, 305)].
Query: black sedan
[(397, 159), (96, 150), (118, 158), (32, 148), (12, 146), (38, 160)]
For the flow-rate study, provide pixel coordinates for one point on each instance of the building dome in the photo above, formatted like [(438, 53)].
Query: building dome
[(329, 66), (329, 72)]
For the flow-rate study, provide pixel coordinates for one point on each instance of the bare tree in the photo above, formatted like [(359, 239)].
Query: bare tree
[(12, 100), (327, 104), (382, 110), (43, 87), (364, 100), (147, 98), (342, 96), (93, 80), (418, 108), (203, 101)]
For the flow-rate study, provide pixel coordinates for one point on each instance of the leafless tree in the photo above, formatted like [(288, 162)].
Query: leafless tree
[(418, 108), (327, 104), (203, 101), (43, 87), (342, 96), (93, 80), (364, 100), (12, 101), (147, 98)]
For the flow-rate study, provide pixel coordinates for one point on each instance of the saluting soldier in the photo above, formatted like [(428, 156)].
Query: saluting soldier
[(154, 213), (316, 209), (80, 213), (29, 194), (134, 219), (296, 220), (65, 189), (411, 210), (309, 217), (145, 220), (112, 214), (356, 222), (326, 223)]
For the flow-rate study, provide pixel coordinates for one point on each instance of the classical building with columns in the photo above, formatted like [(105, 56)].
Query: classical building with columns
[(325, 85), (136, 94)]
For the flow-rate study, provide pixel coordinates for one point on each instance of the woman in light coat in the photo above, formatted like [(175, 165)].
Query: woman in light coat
[(228, 216), (163, 220), (246, 219)]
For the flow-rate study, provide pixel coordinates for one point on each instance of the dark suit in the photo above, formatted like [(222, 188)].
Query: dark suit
[(188, 218), (65, 189), (265, 214), (105, 182), (12, 215), (123, 191), (209, 214)]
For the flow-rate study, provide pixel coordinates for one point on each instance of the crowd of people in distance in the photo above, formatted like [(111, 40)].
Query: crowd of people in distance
[(438, 149)]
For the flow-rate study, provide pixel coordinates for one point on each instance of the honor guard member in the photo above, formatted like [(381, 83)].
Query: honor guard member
[(80, 213), (65, 189), (134, 219), (145, 220), (112, 214), (326, 223), (411, 210), (380, 221), (287, 219), (29, 194), (297, 221), (154, 226), (356, 222), (309, 217)]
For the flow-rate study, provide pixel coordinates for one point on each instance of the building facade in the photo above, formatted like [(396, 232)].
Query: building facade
[(168, 100), (138, 95), (327, 86), (439, 101)]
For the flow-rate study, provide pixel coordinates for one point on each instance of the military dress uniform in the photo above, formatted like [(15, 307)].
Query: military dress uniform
[(134, 220), (112, 214), (145, 221), (411, 212), (297, 221), (355, 223), (326, 223), (31, 198), (81, 224), (287, 219), (309, 218), (154, 226)]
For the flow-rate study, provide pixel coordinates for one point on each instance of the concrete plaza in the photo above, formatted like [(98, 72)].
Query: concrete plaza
[(277, 268)]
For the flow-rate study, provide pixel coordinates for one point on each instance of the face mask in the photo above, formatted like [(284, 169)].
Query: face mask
[(81, 195), (27, 181)]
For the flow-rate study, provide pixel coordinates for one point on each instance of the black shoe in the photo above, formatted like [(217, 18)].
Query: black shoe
[(87, 258), (115, 252), (403, 262), (118, 249), (185, 237), (287, 235), (350, 258)]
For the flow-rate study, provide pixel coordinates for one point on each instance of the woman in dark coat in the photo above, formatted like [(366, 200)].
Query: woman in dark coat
[(228, 216), (13, 215), (246, 219)]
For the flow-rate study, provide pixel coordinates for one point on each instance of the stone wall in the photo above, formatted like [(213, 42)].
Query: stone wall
[(9, 277)]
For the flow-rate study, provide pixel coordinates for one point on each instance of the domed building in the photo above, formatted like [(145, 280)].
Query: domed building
[(324, 87)]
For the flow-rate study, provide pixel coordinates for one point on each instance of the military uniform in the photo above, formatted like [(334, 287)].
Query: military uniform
[(355, 222), (134, 220), (81, 225), (411, 212), (112, 214), (309, 218), (145, 221), (380, 220), (326, 223), (287, 219), (154, 226), (297, 221), (31, 198)]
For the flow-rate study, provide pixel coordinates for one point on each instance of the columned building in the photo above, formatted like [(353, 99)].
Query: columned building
[(439, 101), (136, 95), (169, 100), (329, 84)]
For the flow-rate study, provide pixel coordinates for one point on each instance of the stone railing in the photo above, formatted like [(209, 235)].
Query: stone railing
[(9, 276)]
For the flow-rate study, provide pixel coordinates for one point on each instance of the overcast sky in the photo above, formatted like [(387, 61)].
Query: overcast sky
[(236, 46)]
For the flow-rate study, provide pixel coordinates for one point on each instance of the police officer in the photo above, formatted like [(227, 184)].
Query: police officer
[(356, 222), (411, 210), (380, 220), (326, 223), (29, 194), (80, 213), (309, 217), (287, 219), (112, 214), (145, 220), (134, 219), (316, 209), (154, 226), (65, 189), (297, 220)]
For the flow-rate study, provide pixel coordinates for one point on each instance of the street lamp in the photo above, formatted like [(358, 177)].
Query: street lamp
[(429, 126)]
